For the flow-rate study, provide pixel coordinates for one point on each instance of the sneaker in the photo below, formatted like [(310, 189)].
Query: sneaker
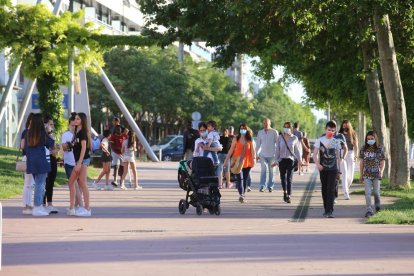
[(347, 197), (27, 211), (368, 214), (108, 188), (335, 202), (94, 185), (261, 190), (270, 190), (377, 209), (71, 212), (249, 189), (241, 199), (288, 199), (82, 212), (52, 209), (138, 188), (114, 184), (330, 215), (325, 214), (229, 186), (285, 197), (40, 211), (123, 187)]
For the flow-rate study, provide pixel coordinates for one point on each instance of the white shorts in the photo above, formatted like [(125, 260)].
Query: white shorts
[(117, 159), (129, 158)]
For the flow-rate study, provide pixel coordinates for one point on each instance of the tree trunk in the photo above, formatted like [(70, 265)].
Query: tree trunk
[(376, 105), (399, 175)]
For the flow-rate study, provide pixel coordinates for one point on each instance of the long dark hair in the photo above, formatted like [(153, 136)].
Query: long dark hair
[(36, 133), (249, 133), (29, 119), (131, 139), (351, 132), (84, 124), (376, 145)]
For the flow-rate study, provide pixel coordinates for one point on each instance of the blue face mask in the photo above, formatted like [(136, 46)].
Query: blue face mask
[(243, 131), (204, 134), (286, 130), (370, 142)]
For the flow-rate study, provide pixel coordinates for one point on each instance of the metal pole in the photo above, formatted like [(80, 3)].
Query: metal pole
[(23, 107), (328, 112), (56, 9), (180, 51), (9, 88), (127, 115)]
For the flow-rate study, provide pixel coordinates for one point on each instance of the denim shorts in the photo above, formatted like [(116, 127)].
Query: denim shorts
[(86, 162)]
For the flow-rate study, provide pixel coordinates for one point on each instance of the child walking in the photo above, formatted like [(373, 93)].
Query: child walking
[(372, 167), (106, 159)]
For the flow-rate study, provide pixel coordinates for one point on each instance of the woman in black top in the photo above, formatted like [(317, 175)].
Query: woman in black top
[(81, 148), (225, 141)]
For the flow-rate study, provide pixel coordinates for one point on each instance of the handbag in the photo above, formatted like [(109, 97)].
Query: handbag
[(236, 164), (295, 161), (21, 165)]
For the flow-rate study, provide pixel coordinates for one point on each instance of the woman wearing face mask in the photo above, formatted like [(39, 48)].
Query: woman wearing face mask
[(243, 142), (352, 144), (371, 168), (287, 151)]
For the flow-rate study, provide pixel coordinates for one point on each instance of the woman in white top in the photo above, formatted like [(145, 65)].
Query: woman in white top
[(106, 159), (128, 152)]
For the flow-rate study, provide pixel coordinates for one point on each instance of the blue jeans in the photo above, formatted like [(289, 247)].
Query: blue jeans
[(223, 167), (68, 170), (39, 191), (214, 154), (266, 164), (242, 178)]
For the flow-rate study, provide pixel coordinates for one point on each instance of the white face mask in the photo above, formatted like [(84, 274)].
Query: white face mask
[(286, 130), (370, 142)]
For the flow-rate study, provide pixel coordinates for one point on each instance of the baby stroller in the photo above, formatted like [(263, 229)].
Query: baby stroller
[(198, 178)]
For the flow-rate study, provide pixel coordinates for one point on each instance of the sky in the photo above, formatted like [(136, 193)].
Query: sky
[(295, 91)]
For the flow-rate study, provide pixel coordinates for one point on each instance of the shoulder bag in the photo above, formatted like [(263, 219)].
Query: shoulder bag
[(236, 164), (295, 161), (21, 165)]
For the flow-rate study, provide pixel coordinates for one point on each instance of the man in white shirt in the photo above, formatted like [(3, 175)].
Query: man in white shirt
[(69, 159), (266, 143)]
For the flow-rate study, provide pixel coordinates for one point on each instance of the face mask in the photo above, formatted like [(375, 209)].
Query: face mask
[(243, 131), (329, 134), (370, 142), (286, 130), (204, 134)]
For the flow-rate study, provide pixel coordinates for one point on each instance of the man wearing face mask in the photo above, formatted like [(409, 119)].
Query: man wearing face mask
[(326, 156)]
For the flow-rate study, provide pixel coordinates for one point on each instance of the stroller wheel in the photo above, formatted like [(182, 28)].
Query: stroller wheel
[(212, 210), (217, 210), (199, 209), (182, 206)]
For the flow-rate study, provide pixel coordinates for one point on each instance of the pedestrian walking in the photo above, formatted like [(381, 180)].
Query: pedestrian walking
[(38, 163), (266, 143), (372, 168), (224, 168), (326, 156), (351, 138), (306, 149), (67, 140), (287, 151), (128, 152), (213, 141), (106, 159), (115, 141), (28, 177), (190, 135), (81, 148), (51, 176), (242, 148), (298, 134)]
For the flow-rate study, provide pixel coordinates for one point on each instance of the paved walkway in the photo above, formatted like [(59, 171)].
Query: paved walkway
[(142, 233)]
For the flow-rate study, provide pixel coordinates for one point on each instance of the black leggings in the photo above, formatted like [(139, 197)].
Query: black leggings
[(286, 174), (50, 180)]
